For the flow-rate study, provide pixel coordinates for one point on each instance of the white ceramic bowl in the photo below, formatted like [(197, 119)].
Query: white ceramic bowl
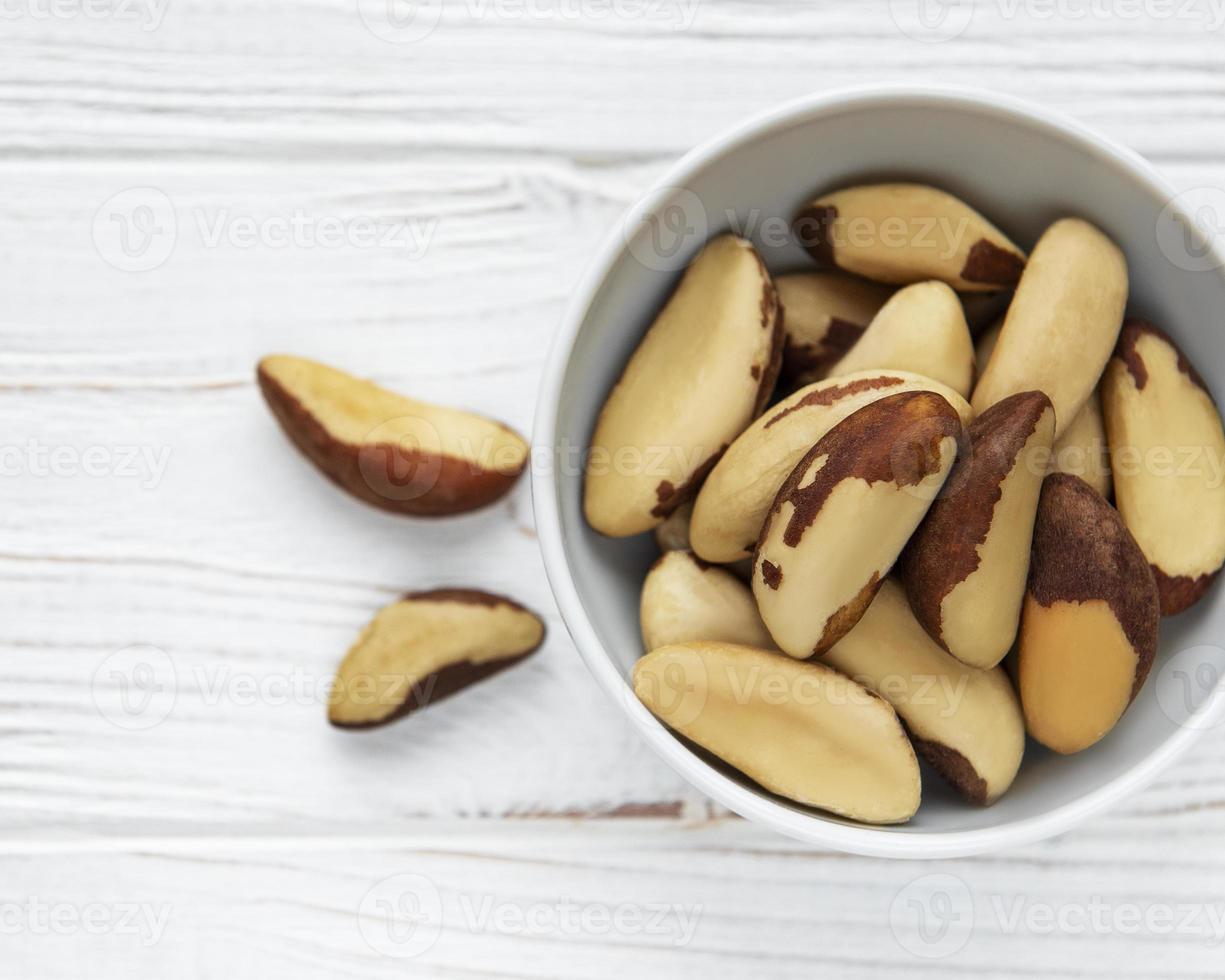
[(1022, 167)]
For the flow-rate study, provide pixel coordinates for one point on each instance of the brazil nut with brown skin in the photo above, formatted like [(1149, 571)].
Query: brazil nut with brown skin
[(1089, 621), (426, 647), (844, 515), (966, 566), (736, 497), (400, 455), (906, 233), (1168, 447), (700, 375)]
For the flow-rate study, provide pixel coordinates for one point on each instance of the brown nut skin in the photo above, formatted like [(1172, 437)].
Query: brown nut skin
[(815, 569), (905, 233), (1089, 625), (398, 454), (1168, 445), (736, 498), (702, 372), (425, 647), (965, 568), (800, 730)]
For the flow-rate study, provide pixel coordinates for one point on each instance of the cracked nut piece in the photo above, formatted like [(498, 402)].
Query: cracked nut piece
[(844, 515), (684, 598), (1083, 450), (1169, 449), (965, 568), (426, 647), (824, 314), (401, 455), (1089, 624), (921, 329), (736, 497), (701, 374), (904, 233), (966, 723), (800, 730), (1062, 323)]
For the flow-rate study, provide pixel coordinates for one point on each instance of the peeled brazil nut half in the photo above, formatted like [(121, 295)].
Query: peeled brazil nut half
[(700, 375), (966, 566), (685, 598), (426, 647), (824, 314), (921, 329), (1062, 323), (1089, 623), (904, 233), (966, 723), (1168, 453), (735, 499), (844, 515), (401, 455), (1083, 449), (800, 730)]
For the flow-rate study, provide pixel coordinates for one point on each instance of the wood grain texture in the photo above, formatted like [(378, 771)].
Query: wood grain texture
[(150, 501)]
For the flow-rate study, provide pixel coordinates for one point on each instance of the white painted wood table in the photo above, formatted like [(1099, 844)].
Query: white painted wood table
[(314, 178)]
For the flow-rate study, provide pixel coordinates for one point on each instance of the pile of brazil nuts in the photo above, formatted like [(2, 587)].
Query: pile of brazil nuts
[(889, 535), (420, 460)]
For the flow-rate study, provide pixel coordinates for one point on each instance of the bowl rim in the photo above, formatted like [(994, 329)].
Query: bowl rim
[(815, 827)]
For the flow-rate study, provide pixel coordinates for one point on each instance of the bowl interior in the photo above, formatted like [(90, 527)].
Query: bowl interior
[(1022, 171)]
